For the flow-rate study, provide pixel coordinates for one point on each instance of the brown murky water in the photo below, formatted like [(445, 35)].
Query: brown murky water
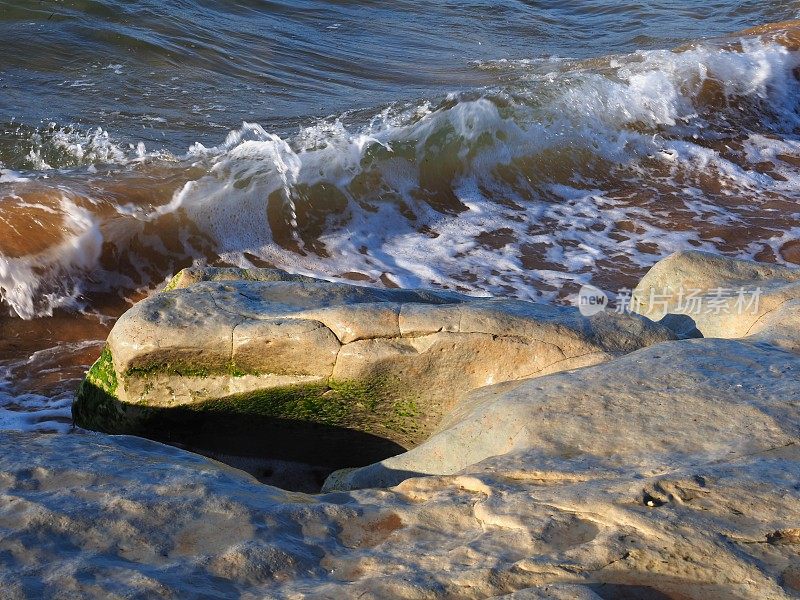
[(539, 175)]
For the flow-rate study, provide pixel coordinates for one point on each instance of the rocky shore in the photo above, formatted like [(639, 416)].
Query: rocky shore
[(472, 447), (240, 364)]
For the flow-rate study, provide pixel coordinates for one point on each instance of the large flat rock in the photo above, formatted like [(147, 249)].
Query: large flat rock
[(389, 363), (92, 516), (669, 473)]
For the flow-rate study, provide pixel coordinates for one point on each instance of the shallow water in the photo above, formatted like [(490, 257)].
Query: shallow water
[(514, 148)]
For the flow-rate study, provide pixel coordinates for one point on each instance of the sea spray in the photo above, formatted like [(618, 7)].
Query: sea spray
[(571, 170)]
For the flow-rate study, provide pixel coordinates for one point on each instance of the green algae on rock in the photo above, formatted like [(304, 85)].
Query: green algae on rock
[(370, 406), (96, 406), (670, 472), (263, 346)]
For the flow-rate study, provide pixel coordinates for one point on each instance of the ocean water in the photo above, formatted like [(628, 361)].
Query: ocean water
[(515, 148)]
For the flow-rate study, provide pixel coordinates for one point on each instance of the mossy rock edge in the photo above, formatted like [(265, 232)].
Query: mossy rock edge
[(373, 407)]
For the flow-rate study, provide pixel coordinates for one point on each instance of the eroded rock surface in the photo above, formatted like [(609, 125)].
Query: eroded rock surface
[(670, 473), (679, 391), (386, 362), (649, 412), (723, 297), (92, 516)]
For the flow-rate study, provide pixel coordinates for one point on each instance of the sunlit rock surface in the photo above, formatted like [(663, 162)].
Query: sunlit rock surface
[(723, 297), (92, 516), (649, 412), (224, 349), (669, 473)]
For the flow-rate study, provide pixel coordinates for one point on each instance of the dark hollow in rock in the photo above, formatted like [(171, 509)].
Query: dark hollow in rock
[(615, 591), (295, 455)]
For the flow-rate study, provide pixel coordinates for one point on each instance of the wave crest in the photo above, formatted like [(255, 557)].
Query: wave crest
[(571, 170)]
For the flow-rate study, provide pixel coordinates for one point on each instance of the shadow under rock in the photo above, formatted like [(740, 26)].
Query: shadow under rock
[(291, 454), (683, 326), (611, 591), (294, 455)]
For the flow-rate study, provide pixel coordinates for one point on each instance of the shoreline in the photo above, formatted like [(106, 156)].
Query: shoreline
[(666, 472)]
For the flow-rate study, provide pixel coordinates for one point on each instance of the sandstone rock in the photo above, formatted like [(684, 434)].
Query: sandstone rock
[(669, 473), (649, 412), (725, 297), (746, 387), (266, 344), (93, 516)]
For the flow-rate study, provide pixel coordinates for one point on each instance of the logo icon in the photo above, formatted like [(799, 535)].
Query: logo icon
[(591, 300)]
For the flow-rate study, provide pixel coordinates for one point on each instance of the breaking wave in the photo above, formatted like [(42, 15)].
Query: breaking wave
[(567, 172)]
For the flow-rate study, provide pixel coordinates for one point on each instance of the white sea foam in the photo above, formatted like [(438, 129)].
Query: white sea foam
[(32, 412), (638, 109), (31, 418), (29, 403), (35, 285), (9, 176), (516, 191)]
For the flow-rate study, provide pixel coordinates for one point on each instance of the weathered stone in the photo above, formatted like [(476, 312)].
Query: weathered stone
[(725, 297), (95, 517), (173, 329), (387, 362), (192, 275), (649, 412), (669, 473), (746, 387), (285, 347)]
